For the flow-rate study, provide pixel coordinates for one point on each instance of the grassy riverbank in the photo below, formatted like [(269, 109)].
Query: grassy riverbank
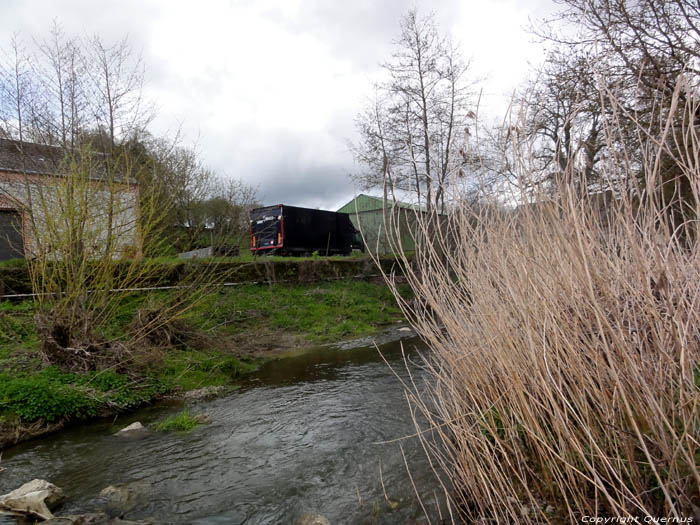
[(225, 335)]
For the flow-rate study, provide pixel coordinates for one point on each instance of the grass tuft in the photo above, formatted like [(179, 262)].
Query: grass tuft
[(182, 422)]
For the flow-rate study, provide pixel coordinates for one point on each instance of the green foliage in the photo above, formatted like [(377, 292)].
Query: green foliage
[(181, 422), (41, 396), (51, 395)]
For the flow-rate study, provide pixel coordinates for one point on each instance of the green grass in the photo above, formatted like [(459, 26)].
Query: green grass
[(13, 263), (192, 369), (247, 256), (182, 422), (18, 336), (317, 313)]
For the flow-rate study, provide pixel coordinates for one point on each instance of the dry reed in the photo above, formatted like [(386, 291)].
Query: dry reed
[(565, 346)]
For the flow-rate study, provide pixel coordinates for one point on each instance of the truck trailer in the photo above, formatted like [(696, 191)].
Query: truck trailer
[(290, 230)]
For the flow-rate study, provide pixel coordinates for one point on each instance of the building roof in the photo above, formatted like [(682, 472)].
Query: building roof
[(28, 157), (40, 159), (366, 203)]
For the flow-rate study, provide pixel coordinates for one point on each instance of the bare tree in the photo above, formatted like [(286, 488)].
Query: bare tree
[(16, 90), (646, 55), (652, 41), (409, 134), (117, 76), (60, 103), (68, 91), (564, 118)]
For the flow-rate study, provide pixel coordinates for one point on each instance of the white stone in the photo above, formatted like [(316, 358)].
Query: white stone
[(312, 519), (207, 392), (36, 498), (134, 427)]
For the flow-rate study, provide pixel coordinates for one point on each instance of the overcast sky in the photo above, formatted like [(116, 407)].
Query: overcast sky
[(269, 89)]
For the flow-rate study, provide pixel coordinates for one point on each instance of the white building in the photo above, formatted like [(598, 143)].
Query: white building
[(41, 186)]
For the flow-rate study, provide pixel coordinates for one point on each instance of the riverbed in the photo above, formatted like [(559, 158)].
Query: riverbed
[(304, 434)]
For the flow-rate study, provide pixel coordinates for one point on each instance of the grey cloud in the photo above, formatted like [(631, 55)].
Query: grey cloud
[(362, 31), (289, 167)]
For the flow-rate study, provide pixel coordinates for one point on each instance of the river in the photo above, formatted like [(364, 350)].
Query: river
[(300, 436)]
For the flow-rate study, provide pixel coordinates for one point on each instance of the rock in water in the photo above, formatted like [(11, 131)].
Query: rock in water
[(133, 427), (312, 519), (98, 518), (36, 498), (135, 430), (126, 496)]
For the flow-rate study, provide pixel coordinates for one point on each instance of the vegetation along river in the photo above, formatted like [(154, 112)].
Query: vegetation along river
[(299, 437)]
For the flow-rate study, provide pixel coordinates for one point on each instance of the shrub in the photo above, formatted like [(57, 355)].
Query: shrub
[(44, 397)]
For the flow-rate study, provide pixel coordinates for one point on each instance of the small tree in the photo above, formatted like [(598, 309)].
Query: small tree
[(228, 210), (87, 233), (100, 204)]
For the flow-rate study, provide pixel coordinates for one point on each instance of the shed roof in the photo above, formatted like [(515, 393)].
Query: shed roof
[(365, 203), (41, 159)]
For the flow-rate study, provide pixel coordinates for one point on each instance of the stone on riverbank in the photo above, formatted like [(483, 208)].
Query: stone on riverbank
[(203, 394), (312, 519), (36, 499)]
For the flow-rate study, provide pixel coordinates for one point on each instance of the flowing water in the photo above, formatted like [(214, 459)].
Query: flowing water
[(300, 436)]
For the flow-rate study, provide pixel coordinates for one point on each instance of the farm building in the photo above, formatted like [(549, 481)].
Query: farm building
[(32, 199), (367, 215)]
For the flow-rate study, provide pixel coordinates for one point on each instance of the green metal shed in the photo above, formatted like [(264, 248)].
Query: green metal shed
[(367, 214)]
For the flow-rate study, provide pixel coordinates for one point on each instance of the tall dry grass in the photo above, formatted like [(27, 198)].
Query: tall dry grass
[(565, 347)]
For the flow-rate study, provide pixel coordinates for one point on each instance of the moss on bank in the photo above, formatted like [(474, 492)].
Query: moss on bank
[(223, 337)]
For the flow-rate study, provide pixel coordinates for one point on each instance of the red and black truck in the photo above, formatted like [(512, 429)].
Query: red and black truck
[(290, 230)]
